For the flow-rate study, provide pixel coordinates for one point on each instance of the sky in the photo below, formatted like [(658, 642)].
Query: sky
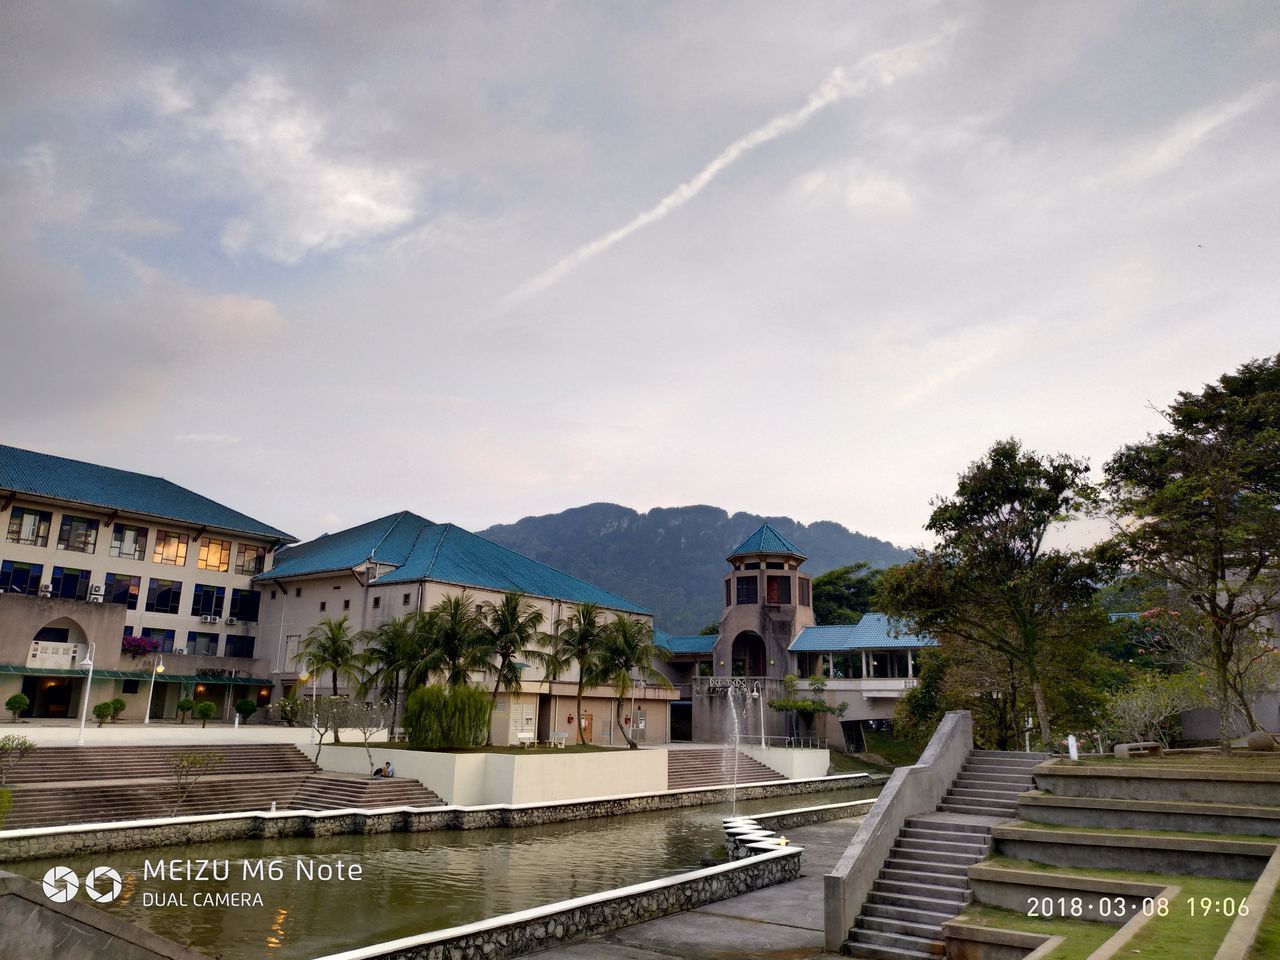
[(322, 262)]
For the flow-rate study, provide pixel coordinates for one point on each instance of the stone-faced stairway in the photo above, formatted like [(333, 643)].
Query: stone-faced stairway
[(925, 883)]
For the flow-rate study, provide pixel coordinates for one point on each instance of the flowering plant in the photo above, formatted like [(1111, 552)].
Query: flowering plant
[(138, 646)]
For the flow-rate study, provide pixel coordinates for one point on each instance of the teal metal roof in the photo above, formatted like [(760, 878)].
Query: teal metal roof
[(388, 540), (873, 632), (130, 675), (703, 643), (57, 478), (766, 540)]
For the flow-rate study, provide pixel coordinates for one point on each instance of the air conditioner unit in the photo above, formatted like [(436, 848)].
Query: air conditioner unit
[(95, 599), (46, 591), (208, 619), (178, 649), (231, 621), (96, 588)]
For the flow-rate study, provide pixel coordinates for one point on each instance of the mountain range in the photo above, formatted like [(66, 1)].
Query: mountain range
[(672, 559)]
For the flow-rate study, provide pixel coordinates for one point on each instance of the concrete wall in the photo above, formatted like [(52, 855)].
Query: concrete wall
[(191, 734), (910, 792), (1202, 724), (1133, 782), (1011, 889), (793, 764)]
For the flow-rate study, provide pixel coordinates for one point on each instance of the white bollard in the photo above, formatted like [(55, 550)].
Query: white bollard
[(1071, 747), (237, 724)]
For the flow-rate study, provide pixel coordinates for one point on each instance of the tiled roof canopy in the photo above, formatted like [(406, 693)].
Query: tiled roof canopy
[(873, 631), (766, 540), (57, 478), (703, 643)]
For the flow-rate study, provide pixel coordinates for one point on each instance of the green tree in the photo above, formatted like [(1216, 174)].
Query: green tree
[(330, 645), (13, 748), (388, 653), (844, 594), (511, 630), (710, 630), (185, 706), (246, 708), (206, 711), (440, 717), (1198, 507), (579, 638), (626, 656), (992, 582), (450, 642), (16, 704), (102, 712)]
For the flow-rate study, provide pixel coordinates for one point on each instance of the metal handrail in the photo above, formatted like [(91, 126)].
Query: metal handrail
[(792, 743)]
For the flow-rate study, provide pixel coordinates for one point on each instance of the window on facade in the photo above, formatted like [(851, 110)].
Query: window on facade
[(805, 600), (323, 605), (346, 604), (748, 590), (250, 560), (78, 534), (206, 600), (214, 554), (163, 637), (239, 647), (297, 591), (377, 602), (202, 644), (777, 590), (774, 565), (19, 577), (129, 543), (244, 605), (755, 565), (29, 526), (122, 588), (129, 686), (69, 583), (170, 548), (404, 602), (164, 596), (704, 668), (728, 593)]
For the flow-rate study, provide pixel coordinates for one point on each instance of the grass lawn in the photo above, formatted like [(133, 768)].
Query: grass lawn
[(1083, 937), (1144, 832), (899, 753), (1182, 935), (846, 763), (525, 751), (1208, 760), (1268, 943)]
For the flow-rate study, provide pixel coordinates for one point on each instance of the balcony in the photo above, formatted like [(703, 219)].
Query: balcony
[(874, 687)]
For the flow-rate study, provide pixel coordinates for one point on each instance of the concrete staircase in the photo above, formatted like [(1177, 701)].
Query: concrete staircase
[(336, 791), (714, 767), (64, 764), (924, 882)]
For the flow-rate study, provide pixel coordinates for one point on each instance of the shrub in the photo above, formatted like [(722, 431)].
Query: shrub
[(185, 706), (246, 708), (117, 708), (286, 710), (102, 712), (12, 749), (6, 804), (138, 646), (16, 704), (437, 717), (187, 769), (206, 712)]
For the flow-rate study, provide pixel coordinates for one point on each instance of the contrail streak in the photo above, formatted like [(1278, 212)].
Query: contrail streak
[(879, 69)]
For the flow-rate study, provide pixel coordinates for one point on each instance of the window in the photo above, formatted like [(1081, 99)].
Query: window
[(297, 592), (346, 604), (163, 637), (214, 554), (273, 594), (705, 668), (848, 666), (170, 548), (323, 604), (202, 644), (122, 588), (69, 583), (751, 566), (889, 663), (164, 596), (129, 686), (405, 601), (18, 577), (377, 602), (250, 560), (129, 543), (29, 526), (206, 600), (239, 647), (774, 565), (748, 590), (78, 534), (728, 593), (777, 590), (804, 593), (244, 605)]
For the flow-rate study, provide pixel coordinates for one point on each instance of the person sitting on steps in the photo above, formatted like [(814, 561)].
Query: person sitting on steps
[(386, 771)]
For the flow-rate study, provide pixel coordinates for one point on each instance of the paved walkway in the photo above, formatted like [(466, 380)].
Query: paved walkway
[(782, 922)]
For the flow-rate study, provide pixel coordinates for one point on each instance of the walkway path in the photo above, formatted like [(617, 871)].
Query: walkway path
[(783, 922)]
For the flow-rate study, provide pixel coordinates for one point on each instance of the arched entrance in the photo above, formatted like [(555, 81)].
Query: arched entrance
[(59, 645), (748, 655)]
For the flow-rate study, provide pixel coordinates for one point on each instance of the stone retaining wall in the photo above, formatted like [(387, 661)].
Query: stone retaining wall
[(516, 934), (83, 839), (789, 819)]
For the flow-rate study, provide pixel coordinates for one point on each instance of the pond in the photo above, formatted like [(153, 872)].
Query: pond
[(306, 902)]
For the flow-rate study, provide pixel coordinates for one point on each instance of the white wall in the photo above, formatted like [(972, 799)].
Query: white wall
[(189, 733), (793, 764)]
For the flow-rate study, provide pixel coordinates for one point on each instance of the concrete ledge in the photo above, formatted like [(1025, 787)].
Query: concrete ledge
[(1233, 859), (1134, 782), (802, 817), (570, 920), (1244, 931), (1012, 889), (969, 942), (1193, 817)]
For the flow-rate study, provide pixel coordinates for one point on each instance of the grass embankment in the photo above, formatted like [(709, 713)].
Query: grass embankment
[(1182, 935), (1209, 760), (1267, 946), (883, 754), (1144, 832), (538, 751)]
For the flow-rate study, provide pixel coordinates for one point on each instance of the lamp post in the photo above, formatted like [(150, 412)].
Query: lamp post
[(86, 664), (308, 674), (755, 695), (157, 667)]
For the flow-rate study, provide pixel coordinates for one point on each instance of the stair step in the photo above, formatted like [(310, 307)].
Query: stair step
[(909, 928), (895, 872), (927, 891), (975, 793), (934, 856), (863, 938), (1011, 754), (949, 826), (909, 914), (889, 899), (924, 840), (869, 951)]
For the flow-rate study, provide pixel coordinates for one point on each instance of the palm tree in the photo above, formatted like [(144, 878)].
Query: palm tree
[(450, 641), (627, 656), (389, 651), (511, 630), (579, 638), (330, 645)]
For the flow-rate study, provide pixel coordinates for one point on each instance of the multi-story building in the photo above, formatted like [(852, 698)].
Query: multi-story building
[(134, 570), (404, 564)]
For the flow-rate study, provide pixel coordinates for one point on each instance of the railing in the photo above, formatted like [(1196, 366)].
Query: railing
[(789, 743)]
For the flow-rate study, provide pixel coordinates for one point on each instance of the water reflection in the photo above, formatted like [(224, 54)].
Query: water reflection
[(411, 882)]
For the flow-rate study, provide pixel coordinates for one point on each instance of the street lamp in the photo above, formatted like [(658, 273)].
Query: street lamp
[(755, 695), (86, 664), (308, 674), (157, 667)]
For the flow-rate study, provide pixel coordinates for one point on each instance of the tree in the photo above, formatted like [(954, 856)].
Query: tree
[(102, 712), (185, 706), (246, 708), (187, 769), (511, 629), (992, 582), (330, 645), (440, 717), (579, 638), (368, 719), (1198, 507), (118, 706), (844, 594), (450, 642), (625, 656), (16, 704), (389, 653), (205, 712), (13, 748), (800, 708), (1141, 711), (710, 630)]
